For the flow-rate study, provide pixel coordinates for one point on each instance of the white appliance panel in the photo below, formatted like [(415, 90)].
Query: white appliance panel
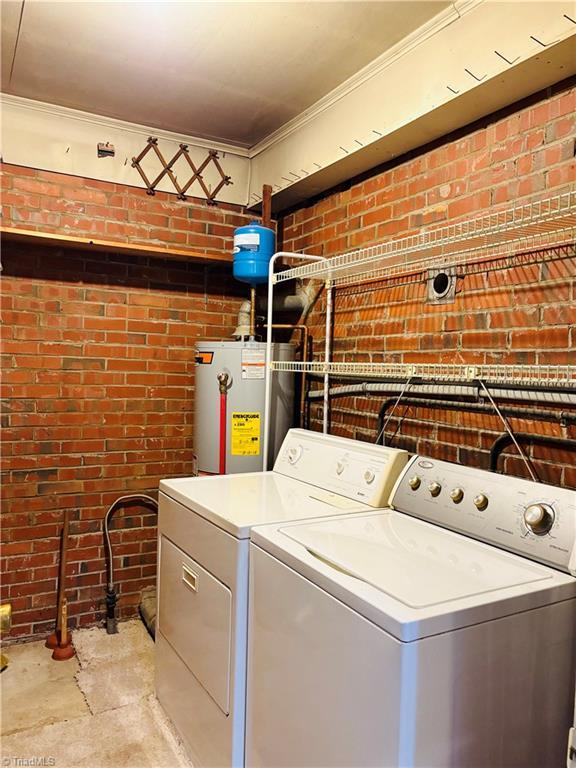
[(196, 716), (328, 688), (419, 565), (309, 663), (527, 585), (362, 471), (195, 618), (493, 508), (235, 503)]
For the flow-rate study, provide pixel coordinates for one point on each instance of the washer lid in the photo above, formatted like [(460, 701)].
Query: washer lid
[(420, 566), (409, 577), (235, 503)]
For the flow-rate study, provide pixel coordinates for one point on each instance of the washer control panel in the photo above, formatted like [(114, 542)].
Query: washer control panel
[(361, 471), (532, 519)]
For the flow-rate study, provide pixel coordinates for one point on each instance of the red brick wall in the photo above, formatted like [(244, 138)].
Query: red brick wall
[(98, 382), (522, 314), (70, 205)]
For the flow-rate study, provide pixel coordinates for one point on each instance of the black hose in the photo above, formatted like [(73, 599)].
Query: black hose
[(111, 596), (459, 405), (505, 440)]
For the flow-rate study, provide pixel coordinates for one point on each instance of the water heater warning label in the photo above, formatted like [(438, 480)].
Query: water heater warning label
[(245, 437), (253, 363)]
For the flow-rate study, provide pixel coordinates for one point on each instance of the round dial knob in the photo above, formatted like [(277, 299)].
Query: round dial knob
[(340, 467), (457, 494), (369, 476), (434, 488), (481, 501), (539, 518), (414, 482), (294, 453)]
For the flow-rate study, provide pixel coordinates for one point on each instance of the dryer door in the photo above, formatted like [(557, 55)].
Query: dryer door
[(194, 615)]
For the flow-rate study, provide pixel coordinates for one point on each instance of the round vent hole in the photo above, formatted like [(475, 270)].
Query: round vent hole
[(441, 284)]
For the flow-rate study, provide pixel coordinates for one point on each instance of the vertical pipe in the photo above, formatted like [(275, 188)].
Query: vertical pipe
[(222, 462), (326, 412), (223, 388), (268, 389), (266, 205), (252, 311)]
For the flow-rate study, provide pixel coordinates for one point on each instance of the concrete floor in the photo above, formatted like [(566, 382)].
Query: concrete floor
[(96, 710)]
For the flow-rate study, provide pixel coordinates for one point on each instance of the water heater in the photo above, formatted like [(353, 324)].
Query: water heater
[(244, 363)]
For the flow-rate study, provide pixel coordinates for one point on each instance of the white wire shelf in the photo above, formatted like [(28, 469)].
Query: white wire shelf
[(528, 227), (523, 375)]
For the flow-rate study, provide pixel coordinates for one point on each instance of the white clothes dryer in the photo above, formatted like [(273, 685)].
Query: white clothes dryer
[(440, 635), (204, 528)]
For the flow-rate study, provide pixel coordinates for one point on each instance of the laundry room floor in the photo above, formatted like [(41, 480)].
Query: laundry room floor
[(96, 710)]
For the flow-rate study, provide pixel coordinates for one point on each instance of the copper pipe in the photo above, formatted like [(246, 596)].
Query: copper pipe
[(305, 341), (252, 311)]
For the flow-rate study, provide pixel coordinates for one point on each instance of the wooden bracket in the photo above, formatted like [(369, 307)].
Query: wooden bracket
[(152, 145)]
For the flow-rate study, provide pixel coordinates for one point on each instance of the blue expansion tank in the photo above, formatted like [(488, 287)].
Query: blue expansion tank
[(254, 246)]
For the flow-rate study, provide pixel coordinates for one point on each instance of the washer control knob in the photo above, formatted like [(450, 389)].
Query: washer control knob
[(481, 501), (414, 482), (340, 467), (539, 518), (369, 476), (456, 494), (434, 488)]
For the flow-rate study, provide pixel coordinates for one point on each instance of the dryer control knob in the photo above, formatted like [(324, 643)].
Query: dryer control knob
[(434, 488), (539, 518), (415, 482), (369, 476), (340, 467), (457, 494), (294, 453), (481, 501)]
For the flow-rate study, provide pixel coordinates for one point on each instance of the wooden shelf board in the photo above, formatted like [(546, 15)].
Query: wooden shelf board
[(93, 244)]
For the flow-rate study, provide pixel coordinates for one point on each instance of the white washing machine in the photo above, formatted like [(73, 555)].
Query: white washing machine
[(441, 635), (204, 528)]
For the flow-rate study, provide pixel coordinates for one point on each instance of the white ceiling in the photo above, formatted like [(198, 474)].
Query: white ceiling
[(228, 71)]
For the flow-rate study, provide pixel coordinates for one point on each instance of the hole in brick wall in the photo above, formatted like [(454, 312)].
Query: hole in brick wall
[(441, 284)]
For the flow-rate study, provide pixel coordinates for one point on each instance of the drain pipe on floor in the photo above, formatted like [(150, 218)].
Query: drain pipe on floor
[(111, 595)]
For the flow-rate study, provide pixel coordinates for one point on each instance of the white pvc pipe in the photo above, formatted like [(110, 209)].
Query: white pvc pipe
[(268, 384)]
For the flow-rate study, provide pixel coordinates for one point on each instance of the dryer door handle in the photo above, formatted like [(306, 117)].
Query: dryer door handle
[(189, 578)]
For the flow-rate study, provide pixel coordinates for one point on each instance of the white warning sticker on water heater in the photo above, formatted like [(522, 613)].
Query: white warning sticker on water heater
[(253, 363)]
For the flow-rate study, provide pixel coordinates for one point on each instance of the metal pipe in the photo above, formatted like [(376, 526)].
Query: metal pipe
[(304, 342), (268, 389), (554, 396), (505, 440), (252, 311)]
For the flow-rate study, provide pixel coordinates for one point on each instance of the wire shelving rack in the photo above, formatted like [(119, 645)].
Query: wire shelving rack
[(529, 227)]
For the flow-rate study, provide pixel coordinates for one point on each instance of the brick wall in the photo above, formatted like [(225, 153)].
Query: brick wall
[(98, 381), (70, 205), (520, 312)]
